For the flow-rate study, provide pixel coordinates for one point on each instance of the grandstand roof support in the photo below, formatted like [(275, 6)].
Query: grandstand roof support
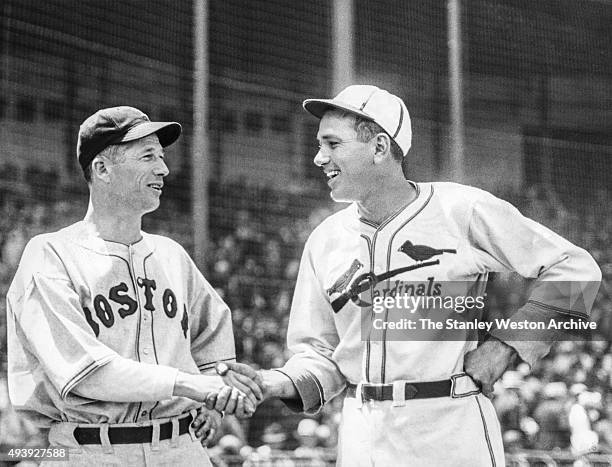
[(343, 63), (455, 67), (200, 144)]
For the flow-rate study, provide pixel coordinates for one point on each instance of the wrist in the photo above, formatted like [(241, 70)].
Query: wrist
[(500, 345), (277, 384), (196, 387)]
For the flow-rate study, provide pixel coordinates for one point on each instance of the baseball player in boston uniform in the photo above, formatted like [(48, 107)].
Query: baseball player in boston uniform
[(410, 402), (113, 333)]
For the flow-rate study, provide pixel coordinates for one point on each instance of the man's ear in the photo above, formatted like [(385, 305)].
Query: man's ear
[(383, 147), (100, 169)]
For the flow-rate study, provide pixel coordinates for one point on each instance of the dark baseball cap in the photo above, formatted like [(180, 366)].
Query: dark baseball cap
[(117, 125)]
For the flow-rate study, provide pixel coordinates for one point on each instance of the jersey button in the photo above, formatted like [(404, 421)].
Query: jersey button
[(144, 413), (145, 351)]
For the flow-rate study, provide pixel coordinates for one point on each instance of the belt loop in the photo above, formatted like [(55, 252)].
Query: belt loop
[(194, 414), (359, 395), (175, 432), (399, 394), (155, 436), (107, 447)]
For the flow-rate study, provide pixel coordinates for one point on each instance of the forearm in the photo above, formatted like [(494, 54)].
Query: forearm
[(125, 380), (196, 387), (277, 384)]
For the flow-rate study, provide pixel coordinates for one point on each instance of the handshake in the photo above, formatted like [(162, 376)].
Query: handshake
[(237, 389), (242, 390)]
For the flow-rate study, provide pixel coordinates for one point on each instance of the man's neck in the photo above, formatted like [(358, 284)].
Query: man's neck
[(114, 226), (388, 199)]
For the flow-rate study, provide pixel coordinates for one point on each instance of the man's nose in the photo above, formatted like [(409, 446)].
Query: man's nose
[(321, 159), (161, 168)]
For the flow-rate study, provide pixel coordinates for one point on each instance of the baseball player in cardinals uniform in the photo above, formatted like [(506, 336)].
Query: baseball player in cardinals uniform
[(113, 333), (411, 401)]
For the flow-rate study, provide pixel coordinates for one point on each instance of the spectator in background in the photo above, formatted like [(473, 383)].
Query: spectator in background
[(551, 417), (582, 413)]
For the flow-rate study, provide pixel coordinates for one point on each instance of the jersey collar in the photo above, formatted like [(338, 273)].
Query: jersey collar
[(83, 234)]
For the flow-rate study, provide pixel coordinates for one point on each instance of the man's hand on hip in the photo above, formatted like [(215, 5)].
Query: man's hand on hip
[(488, 362)]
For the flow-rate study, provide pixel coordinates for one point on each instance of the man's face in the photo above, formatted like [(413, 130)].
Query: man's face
[(347, 162), (136, 180)]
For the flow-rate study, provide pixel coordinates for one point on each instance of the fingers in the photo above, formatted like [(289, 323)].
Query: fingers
[(211, 420), (211, 400), (245, 385), (209, 437), (487, 390), (486, 386), (246, 370), (246, 379), (199, 420), (244, 409), (228, 399), (204, 428)]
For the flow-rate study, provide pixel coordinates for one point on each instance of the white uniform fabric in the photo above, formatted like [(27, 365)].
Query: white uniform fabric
[(77, 302), (482, 234)]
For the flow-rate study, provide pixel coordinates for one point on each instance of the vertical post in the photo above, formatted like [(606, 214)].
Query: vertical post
[(342, 44), (456, 90), (200, 142), (6, 60)]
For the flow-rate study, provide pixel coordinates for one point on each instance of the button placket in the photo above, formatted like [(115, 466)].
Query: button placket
[(145, 337)]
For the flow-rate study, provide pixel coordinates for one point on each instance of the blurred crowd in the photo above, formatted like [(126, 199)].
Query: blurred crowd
[(563, 403)]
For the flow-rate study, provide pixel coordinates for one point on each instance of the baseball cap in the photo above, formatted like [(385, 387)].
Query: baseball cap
[(116, 125), (372, 103)]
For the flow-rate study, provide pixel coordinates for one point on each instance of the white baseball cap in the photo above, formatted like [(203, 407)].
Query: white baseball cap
[(374, 104)]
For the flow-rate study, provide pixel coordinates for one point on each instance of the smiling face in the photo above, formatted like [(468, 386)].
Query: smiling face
[(136, 177), (346, 161)]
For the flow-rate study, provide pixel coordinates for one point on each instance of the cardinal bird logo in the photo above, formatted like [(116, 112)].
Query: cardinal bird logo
[(422, 252)]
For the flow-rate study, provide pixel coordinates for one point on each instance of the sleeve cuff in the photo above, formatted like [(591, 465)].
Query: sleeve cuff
[(539, 342), (309, 389)]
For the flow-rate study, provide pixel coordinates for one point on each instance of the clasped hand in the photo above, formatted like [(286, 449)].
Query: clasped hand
[(241, 394)]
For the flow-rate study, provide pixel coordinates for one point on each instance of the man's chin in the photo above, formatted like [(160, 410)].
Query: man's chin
[(339, 197), (150, 207)]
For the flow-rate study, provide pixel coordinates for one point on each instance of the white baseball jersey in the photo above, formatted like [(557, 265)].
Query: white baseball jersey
[(78, 301), (461, 233)]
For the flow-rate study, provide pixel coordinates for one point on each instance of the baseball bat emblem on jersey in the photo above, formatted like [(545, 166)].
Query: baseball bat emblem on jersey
[(367, 280)]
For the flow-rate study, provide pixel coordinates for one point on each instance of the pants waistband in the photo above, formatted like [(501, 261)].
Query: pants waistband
[(118, 434), (459, 385)]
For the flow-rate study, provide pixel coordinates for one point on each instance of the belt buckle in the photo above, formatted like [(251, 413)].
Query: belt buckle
[(411, 391)]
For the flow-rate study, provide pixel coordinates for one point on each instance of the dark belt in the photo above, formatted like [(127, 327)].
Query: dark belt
[(130, 434), (384, 392)]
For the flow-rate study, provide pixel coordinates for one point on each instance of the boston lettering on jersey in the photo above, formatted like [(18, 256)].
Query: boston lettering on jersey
[(128, 305)]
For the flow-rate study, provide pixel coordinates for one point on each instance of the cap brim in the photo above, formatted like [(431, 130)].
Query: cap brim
[(167, 132), (318, 107)]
